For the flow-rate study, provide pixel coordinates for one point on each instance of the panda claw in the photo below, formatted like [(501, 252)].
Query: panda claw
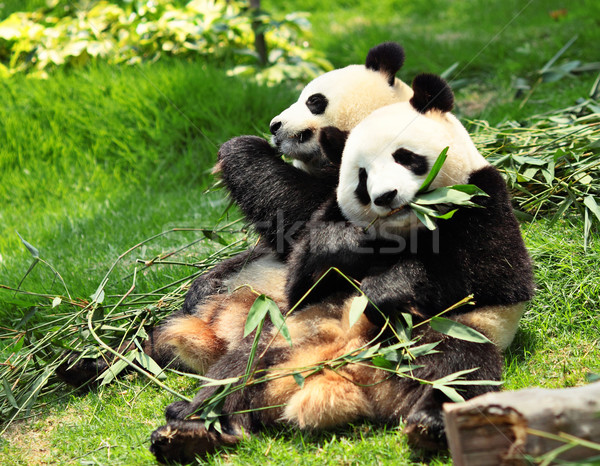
[(184, 441), (425, 430)]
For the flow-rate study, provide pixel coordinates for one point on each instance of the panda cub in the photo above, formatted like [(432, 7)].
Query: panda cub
[(368, 233)]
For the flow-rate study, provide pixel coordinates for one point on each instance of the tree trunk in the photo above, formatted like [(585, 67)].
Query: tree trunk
[(502, 428), (259, 38)]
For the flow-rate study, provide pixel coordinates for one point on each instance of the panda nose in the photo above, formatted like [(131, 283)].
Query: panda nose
[(274, 127), (385, 200)]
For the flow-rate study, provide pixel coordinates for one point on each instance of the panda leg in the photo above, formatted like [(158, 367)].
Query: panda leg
[(183, 438), (422, 409)]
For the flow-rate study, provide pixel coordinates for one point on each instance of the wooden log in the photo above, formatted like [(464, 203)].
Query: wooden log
[(505, 428)]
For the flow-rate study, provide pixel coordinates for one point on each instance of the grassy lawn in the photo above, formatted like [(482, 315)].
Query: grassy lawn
[(96, 160)]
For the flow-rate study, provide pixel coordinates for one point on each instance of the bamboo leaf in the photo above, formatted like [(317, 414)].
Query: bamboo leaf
[(257, 314), (563, 206), (150, 365), (476, 382), (404, 331), (457, 195), (435, 169), (115, 369), (357, 308), (98, 295), (23, 322), (592, 205), (426, 220), (32, 249), (367, 353), (423, 350), (278, 320), (211, 235), (558, 54), (380, 361), (404, 368), (299, 378), (9, 394), (450, 378), (457, 330), (449, 392)]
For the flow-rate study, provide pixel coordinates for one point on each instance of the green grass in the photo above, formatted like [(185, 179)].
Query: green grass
[(93, 161)]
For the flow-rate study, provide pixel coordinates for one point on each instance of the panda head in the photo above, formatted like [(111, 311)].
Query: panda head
[(340, 98), (389, 154)]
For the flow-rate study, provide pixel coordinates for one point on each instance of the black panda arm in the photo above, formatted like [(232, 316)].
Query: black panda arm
[(276, 197), (328, 241)]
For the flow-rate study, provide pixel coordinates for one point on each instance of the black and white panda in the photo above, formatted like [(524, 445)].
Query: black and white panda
[(276, 197), (367, 232)]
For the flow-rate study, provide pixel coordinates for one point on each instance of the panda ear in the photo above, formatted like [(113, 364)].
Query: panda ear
[(332, 141), (387, 58), (431, 92)]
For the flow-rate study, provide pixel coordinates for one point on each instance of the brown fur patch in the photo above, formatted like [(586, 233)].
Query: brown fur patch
[(193, 340), (321, 333), (325, 401)]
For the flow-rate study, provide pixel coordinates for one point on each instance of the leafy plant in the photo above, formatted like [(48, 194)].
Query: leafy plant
[(75, 33), (551, 162), (35, 345)]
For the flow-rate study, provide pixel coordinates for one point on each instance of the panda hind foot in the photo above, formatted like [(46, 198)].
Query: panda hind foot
[(425, 430), (81, 373), (184, 441)]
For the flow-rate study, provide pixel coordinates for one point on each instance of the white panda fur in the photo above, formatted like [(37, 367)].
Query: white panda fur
[(321, 329), (404, 126)]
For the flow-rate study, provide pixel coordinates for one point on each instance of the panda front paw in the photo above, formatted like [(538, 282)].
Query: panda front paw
[(241, 146), (425, 430), (184, 441)]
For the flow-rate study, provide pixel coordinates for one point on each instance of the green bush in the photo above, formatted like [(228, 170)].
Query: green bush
[(74, 33)]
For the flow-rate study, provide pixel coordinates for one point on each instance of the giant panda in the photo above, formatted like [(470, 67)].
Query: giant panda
[(366, 231), (276, 197)]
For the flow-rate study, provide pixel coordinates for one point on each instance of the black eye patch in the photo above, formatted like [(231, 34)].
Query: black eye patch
[(317, 103), (361, 192), (414, 162)]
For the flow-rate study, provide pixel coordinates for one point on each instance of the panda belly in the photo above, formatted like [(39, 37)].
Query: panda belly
[(217, 325)]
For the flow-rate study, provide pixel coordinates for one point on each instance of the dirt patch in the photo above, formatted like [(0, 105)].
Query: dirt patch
[(30, 441)]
